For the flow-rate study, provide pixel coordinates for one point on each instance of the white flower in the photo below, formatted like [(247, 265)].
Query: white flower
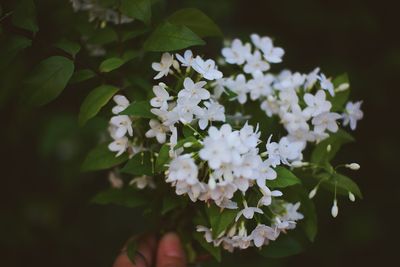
[(164, 66), (262, 234), (271, 54), (248, 212), (295, 120), (326, 84), (183, 168), (206, 68), (287, 80), (260, 85), (284, 151), (237, 53), (157, 130), (122, 103), (161, 97), (123, 125), (119, 145), (255, 63), (352, 114), (311, 78), (187, 58), (194, 91), (316, 104), (143, 181), (213, 112), (266, 199), (185, 110), (288, 99), (238, 86), (335, 209), (193, 190), (270, 106), (115, 181), (292, 213), (326, 120), (206, 231)]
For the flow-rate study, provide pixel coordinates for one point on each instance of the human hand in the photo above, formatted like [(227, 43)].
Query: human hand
[(167, 253)]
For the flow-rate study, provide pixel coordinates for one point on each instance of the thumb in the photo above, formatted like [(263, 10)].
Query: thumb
[(170, 252)]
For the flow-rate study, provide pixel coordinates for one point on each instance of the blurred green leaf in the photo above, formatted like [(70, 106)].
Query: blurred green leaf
[(343, 184), (326, 150), (131, 250), (138, 9), (68, 46), (111, 64), (11, 47), (162, 158), (94, 101), (101, 158), (284, 246), (82, 75), (309, 224), (339, 100), (170, 203), (284, 178), (140, 164), (134, 33), (220, 219), (131, 54), (170, 37), (47, 80), (24, 16), (214, 251), (196, 21), (127, 197), (140, 109), (103, 36)]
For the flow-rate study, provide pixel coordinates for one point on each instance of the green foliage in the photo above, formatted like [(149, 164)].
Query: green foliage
[(131, 249), (309, 224), (195, 20), (170, 203), (10, 49), (139, 109), (214, 251), (138, 9), (47, 80), (95, 100), (111, 64), (82, 75), (171, 37), (24, 16), (140, 164), (339, 100), (220, 219), (68, 46), (322, 154), (162, 159), (342, 183), (284, 178), (284, 246), (101, 158), (126, 197)]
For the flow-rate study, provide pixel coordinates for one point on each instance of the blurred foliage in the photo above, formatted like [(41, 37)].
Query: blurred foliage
[(47, 218)]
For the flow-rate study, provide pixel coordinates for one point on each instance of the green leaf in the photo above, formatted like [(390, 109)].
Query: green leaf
[(190, 139), (170, 203), (214, 251), (24, 16), (70, 47), (103, 36), (162, 159), (170, 37), (284, 246), (140, 109), (47, 80), (101, 158), (138, 9), (322, 154), (343, 184), (10, 49), (95, 100), (130, 54), (111, 64), (134, 33), (340, 99), (82, 75), (220, 220), (309, 223), (131, 250), (127, 197), (140, 164), (284, 178), (195, 20)]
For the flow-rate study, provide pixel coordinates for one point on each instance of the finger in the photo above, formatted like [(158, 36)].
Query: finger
[(170, 252), (145, 254)]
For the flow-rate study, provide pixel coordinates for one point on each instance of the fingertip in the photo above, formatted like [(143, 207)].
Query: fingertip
[(170, 252), (146, 248)]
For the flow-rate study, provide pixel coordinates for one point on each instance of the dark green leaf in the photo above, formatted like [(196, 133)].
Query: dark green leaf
[(111, 64), (127, 197), (103, 36), (339, 100), (321, 154), (70, 47), (47, 80), (134, 33), (131, 54), (214, 251), (170, 203), (345, 184), (170, 37), (140, 164), (131, 250), (284, 246), (140, 109), (95, 100), (162, 159), (82, 75), (195, 20), (24, 16), (190, 139), (220, 220), (11, 47), (309, 223), (101, 158), (284, 178), (138, 9)]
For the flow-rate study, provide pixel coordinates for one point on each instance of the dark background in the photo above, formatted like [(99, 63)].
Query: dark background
[(46, 218)]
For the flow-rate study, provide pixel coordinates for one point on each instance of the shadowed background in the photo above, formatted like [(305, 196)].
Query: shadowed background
[(46, 218)]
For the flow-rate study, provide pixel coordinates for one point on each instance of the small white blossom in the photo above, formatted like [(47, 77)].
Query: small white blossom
[(255, 63), (213, 112), (352, 114), (123, 125), (157, 130), (262, 234), (164, 66), (206, 68), (143, 181), (326, 120), (183, 168), (161, 97), (260, 85), (316, 104), (271, 54), (238, 86), (187, 58), (194, 91), (119, 145), (122, 103), (237, 53), (326, 84)]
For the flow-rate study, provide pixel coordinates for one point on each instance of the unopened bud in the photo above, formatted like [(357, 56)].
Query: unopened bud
[(313, 192), (352, 197), (187, 144), (342, 87), (328, 148), (211, 183), (353, 166), (335, 209)]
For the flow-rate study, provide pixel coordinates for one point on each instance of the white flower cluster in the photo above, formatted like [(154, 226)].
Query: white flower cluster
[(96, 11)]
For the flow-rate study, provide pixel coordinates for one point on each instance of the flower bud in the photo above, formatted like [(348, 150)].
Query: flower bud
[(328, 148), (352, 197), (335, 209), (313, 192), (342, 87), (188, 144), (353, 166)]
